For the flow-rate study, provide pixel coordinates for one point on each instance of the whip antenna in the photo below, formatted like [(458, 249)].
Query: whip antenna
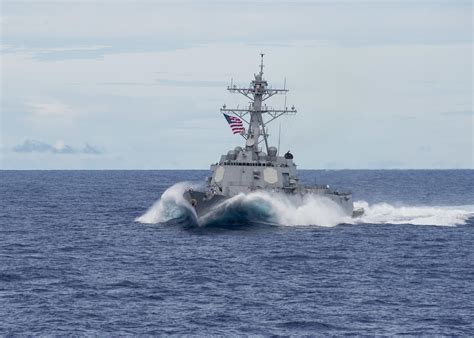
[(279, 134)]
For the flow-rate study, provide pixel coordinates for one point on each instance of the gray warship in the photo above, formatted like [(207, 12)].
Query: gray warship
[(250, 168)]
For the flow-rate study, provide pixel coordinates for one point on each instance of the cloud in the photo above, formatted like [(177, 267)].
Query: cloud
[(63, 52), (50, 109), (35, 146), (52, 112), (467, 113), (73, 54), (49, 112), (192, 83), (86, 30), (88, 149)]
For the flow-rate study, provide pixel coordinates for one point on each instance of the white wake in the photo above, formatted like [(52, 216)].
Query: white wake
[(418, 215), (311, 210)]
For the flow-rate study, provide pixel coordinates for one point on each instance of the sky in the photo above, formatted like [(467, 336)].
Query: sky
[(139, 84)]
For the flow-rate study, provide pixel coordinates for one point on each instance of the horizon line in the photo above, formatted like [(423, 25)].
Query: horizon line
[(196, 169)]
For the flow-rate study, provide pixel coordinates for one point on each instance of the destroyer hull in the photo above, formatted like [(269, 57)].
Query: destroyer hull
[(204, 203)]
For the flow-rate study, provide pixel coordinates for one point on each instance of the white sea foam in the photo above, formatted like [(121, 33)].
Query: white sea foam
[(171, 205), (308, 210), (294, 210), (418, 215)]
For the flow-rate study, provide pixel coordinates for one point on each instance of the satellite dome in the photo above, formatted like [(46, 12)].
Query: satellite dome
[(231, 155), (238, 149), (272, 151)]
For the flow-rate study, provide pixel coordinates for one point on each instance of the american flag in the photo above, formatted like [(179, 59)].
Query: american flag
[(235, 124)]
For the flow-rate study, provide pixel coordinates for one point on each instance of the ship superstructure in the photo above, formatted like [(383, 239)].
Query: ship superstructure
[(256, 165)]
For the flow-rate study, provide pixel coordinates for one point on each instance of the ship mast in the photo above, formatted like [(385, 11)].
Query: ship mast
[(257, 93)]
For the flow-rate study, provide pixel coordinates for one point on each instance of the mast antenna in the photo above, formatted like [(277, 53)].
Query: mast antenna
[(279, 134), (258, 92)]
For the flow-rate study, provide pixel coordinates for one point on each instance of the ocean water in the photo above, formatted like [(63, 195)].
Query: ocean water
[(98, 252)]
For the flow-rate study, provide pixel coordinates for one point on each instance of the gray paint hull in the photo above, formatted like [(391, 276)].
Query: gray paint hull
[(201, 203), (205, 203)]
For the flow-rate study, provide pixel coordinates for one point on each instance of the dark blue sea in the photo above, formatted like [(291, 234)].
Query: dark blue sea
[(98, 253)]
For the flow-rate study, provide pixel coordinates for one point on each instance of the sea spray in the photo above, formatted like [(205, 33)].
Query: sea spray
[(309, 210), (253, 207), (282, 209), (417, 215), (171, 205)]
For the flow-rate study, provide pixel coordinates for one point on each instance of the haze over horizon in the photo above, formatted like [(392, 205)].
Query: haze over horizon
[(124, 85)]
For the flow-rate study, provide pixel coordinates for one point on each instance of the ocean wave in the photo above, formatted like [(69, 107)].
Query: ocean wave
[(170, 206), (282, 210)]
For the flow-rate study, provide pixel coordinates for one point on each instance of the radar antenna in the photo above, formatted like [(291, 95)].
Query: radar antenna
[(257, 93)]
